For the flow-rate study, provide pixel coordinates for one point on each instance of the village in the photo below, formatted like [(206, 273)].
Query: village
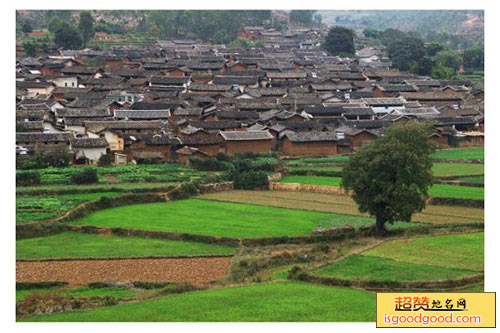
[(177, 99), (159, 174)]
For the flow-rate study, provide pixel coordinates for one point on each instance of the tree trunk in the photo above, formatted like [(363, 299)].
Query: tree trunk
[(380, 226)]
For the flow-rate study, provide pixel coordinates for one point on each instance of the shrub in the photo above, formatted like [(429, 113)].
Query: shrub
[(104, 160), (184, 191), (87, 176), (221, 157), (251, 180), (27, 178), (209, 164), (58, 160)]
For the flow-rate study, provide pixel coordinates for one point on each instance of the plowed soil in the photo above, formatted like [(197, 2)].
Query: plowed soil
[(198, 271)]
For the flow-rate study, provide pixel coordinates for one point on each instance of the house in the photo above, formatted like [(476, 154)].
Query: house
[(434, 98), (359, 137), (160, 147), (186, 152), (309, 144), (244, 141), (88, 150)]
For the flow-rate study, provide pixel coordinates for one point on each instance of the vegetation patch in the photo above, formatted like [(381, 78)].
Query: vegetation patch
[(360, 267), (281, 301), (441, 169), (461, 251), (204, 217), (80, 245), (473, 153)]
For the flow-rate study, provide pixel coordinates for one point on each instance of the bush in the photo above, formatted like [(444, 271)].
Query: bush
[(184, 191), (251, 180), (221, 157), (87, 176), (104, 160), (209, 164), (27, 178)]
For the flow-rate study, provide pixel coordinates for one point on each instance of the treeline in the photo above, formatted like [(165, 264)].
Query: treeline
[(409, 52)]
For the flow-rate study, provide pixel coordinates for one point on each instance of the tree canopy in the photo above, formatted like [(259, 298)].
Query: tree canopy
[(67, 37), (405, 52), (340, 42), (389, 177), (86, 26), (304, 17)]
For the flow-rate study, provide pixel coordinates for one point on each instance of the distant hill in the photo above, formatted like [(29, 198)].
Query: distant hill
[(463, 22)]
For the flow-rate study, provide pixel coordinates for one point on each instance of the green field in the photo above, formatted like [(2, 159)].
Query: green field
[(215, 218), (361, 267), (474, 153), (456, 169), (329, 168), (437, 190), (476, 179), (319, 160), (79, 292), (463, 251), (37, 208), (313, 180), (278, 301), (455, 191), (122, 187), (122, 173), (80, 245)]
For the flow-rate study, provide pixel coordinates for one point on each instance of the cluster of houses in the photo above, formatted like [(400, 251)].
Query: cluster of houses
[(178, 98)]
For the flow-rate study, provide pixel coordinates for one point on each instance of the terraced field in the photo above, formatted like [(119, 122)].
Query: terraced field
[(80, 245), (279, 301), (461, 153), (343, 204), (215, 218), (421, 258)]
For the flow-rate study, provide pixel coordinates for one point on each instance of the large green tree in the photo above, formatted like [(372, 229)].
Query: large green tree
[(405, 52), (389, 177), (68, 37), (304, 17), (340, 42), (86, 26), (449, 59), (474, 58)]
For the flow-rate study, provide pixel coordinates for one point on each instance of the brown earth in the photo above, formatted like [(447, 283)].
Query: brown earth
[(198, 271)]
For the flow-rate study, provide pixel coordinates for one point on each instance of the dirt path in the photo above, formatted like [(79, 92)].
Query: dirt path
[(198, 271)]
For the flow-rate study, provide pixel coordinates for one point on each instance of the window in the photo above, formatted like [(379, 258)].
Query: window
[(72, 84), (65, 84)]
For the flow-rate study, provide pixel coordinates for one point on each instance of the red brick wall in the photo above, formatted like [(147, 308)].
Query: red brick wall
[(258, 146), (308, 148)]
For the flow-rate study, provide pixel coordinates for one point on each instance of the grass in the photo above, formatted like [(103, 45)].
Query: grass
[(215, 218), (313, 180), (125, 187), (277, 302), (319, 160), (476, 179), (37, 208), (455, 191), (360, 267), (343, 204), (315, 168), (122, 293), (473, 153), (456, 169), (437, 190), (80, 245), (124, 173), (462, 251)]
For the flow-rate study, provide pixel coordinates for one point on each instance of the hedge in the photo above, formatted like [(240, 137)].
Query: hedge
[(476, 203)]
